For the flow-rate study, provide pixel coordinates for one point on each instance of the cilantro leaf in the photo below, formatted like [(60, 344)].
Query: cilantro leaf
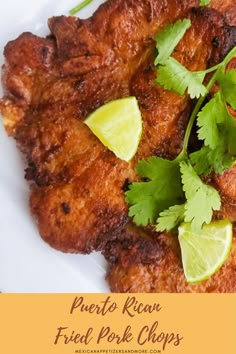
[(212, 114), (200, 161), (227, 83), (144, 203), (219, 158), (163, 189), (218, 130), (174, 76), (170, 218), (204, 2), (205, 160), (231, 134), (152, 166), (168, 38), (201, 198)]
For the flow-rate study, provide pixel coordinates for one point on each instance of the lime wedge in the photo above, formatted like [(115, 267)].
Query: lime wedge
[(118, 125), (203, 253)]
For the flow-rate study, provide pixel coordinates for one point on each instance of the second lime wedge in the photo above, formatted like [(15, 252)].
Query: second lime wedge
[(203, 253), (118, 125)]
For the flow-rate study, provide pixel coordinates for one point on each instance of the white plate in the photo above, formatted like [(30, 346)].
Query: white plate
[(27, 264)]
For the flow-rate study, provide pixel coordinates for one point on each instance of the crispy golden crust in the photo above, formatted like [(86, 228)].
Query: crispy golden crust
[(227, 8), (76, 216), (81, 66), (24, 76)]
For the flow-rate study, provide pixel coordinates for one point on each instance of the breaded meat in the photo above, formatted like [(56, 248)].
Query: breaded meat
[(77, 185), (50, 87)]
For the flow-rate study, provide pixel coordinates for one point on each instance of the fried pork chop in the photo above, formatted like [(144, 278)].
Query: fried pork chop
[(52, 84)]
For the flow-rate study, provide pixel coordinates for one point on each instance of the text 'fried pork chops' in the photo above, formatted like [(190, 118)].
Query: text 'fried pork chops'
[(52, 84)]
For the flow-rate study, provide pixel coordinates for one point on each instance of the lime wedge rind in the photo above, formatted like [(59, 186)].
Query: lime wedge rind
[(203, 254)]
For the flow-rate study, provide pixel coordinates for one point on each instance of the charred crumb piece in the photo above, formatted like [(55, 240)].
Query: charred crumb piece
[(216, 42), (49, 154), (45, 52), (15, 93), (40, 179), (30, 172), (126, 184), (78, 84), (133, 245), (66, 208), (148, 69), (129, 252)]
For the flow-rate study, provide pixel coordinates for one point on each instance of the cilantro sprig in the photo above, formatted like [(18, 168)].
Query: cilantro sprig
[(173, 191), (217, 128)]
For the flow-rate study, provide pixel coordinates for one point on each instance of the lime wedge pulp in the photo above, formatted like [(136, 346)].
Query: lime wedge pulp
[(118, 125), (203, 253)]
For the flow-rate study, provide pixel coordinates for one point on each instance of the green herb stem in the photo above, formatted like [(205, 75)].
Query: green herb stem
[(80, 7), (195, 113), (229, 56)]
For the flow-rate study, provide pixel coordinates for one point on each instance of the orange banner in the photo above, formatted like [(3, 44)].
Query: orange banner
[(112, 323)]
